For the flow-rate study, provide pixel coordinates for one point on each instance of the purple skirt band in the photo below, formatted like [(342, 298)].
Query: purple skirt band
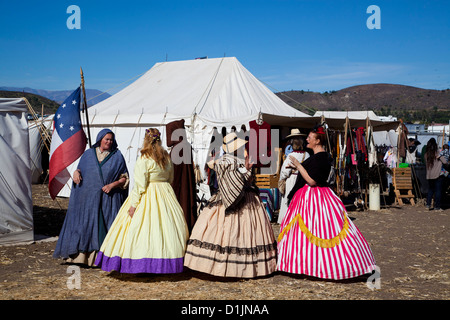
[(144, 265)]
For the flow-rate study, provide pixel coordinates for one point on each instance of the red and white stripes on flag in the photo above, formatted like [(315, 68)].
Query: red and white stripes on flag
[(68, 142)]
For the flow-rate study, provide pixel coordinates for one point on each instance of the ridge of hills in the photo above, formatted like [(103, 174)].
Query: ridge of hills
[(411, 104), (36, 101), (92, 95), (50, 99)]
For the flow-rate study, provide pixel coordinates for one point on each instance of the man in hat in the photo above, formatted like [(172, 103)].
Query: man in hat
[(294, 133)]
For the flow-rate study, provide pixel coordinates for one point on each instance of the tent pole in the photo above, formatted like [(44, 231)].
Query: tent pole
[(85, 107)]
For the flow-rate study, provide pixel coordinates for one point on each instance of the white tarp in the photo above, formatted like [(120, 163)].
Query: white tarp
[(386, 138), (354, 115), (206, 93), (336, 119), (16, 204)]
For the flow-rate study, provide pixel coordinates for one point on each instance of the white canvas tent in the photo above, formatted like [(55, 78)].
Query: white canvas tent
[(206, 93), (16, 205)]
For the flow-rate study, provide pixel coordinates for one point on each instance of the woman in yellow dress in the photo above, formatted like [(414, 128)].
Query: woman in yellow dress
[(149, 234)]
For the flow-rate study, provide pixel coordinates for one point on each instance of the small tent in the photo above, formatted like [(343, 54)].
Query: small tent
[(336, 119), (384, 131), (16, 204), (206, 93)]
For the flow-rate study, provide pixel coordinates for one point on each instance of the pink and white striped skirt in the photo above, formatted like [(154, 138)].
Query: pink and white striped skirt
[(318, 239)]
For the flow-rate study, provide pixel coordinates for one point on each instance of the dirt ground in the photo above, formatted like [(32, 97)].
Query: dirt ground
[(410, 244)]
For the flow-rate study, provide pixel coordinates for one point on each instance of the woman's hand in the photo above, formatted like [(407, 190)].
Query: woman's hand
[(115, 184), (248, 162), (131, 211), (77, 176), (294, 164), (107, 188)]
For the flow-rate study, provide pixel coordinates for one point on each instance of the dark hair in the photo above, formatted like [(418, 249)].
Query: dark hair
[(320, 134), (430, 154), (297, 143)]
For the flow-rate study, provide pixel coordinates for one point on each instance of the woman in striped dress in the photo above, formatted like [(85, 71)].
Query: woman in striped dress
[(316, 236), (233, 236)]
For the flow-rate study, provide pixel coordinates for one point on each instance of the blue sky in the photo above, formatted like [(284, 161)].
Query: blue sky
[(289, 45)]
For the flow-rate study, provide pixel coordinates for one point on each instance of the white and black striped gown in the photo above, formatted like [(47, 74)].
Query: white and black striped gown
[(232, 240)]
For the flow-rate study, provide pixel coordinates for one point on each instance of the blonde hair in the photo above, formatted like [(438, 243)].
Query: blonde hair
[(152, 147)]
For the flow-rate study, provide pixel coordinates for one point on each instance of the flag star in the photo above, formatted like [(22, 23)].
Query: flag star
[(71, 128), (58, 116), (61, 125), (64, 105), (74, 101)]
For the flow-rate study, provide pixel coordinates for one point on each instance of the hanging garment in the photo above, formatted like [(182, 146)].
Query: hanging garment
[(184, 180), (259, 133)]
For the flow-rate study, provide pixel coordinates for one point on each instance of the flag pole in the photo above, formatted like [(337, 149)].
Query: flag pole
[(85, 107)]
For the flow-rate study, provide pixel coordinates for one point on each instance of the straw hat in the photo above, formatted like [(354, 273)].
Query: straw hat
[(231, 142), (295, 133)]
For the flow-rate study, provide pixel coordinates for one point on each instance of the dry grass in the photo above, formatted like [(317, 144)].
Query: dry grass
[(410, 246)]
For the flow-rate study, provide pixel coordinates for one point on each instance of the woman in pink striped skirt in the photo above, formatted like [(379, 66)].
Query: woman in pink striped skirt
[(316, 236)]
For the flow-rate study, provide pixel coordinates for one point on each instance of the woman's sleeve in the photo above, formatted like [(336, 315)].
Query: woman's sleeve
[(140, 181), (319, 170), (127, 180), (284, 171), (306, 156), (171, 172), (124, 173)]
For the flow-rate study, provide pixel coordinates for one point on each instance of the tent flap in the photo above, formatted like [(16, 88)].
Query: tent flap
[(16, 207)]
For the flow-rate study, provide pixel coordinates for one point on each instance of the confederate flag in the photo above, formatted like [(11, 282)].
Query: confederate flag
[(68, 142)]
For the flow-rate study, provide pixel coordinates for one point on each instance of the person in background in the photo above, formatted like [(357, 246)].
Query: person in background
[(434, 174), (149, 234), (445, 171), (289, 174), (100, 186), (445, 152)]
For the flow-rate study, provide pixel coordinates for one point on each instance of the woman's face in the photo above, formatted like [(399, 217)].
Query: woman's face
[(107, 142), (311, 140)]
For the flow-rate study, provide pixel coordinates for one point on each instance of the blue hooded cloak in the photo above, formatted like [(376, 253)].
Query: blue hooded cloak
[(91, 211)]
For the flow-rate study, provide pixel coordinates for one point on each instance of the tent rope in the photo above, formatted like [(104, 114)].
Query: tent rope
[(194, 112), (210, 85), (117, 86), (297, 102), (132, 137)]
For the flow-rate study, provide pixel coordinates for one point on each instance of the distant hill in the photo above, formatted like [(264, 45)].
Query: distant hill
[(405, 102), (93, 96), (35, 100)]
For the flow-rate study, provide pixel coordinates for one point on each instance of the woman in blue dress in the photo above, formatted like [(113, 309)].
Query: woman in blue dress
[(100, 187)]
